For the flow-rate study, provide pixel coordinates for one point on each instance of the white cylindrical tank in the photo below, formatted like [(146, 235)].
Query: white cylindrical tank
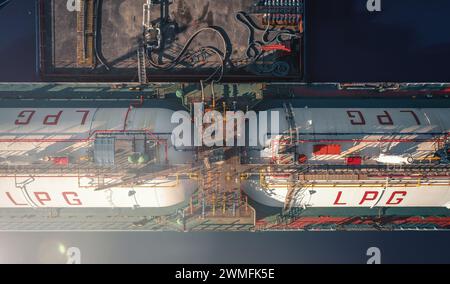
[(275, 193), (30, 137), (80, 192), (341, 136)]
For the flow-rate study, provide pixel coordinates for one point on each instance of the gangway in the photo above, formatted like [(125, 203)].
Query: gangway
[(86, 34), (142, 66)]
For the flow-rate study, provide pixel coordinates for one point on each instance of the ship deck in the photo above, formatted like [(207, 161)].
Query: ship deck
[(267, 219), (118, 35), (226, 208)]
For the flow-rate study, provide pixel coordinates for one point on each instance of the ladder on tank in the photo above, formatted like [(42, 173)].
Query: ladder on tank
[(290, 118), (296, 191), (288, 141), (142, 65)]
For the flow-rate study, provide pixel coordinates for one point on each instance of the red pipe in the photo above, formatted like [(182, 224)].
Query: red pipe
[(55, 176), (89, 139), (360, 140), (408, 176), (50, 140), (276, 47), (306, 221), (130, 107)]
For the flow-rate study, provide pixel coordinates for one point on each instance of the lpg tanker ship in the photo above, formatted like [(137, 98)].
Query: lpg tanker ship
[(85, 155), (350, 156), (111, 164)]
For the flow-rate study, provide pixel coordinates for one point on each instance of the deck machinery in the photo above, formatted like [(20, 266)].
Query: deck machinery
[(172, 41)]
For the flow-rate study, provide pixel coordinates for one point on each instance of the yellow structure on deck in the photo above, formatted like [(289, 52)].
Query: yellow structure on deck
[(86, 34)]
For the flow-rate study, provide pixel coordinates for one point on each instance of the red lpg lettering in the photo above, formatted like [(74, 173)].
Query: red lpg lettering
[(73, 201), (24, 117), (52, 119), (14, 201), (398, 200), (413, 114), (357, 118), (42, 197), (385, 119), (369, 196), (338, 198), (85, 116)]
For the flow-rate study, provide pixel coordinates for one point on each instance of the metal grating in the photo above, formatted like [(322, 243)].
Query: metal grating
[(104, 149)]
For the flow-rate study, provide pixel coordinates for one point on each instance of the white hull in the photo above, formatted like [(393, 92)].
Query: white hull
[(345, 195), (29, 135), (72, 192)]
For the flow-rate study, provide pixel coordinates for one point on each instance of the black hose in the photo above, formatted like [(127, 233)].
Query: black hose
[(98, 10), (179, 58), (254, 47)]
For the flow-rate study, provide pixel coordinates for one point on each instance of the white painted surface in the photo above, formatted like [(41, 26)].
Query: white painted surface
[(26, 137), (354, 196), (71, 192)]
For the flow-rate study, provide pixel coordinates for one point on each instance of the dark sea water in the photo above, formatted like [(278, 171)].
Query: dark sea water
[(188, 248), (408, 41), (18, 42)]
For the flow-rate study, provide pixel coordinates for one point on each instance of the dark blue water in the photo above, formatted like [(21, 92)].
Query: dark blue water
[(271, 247), (18, 41), (408, 41)]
